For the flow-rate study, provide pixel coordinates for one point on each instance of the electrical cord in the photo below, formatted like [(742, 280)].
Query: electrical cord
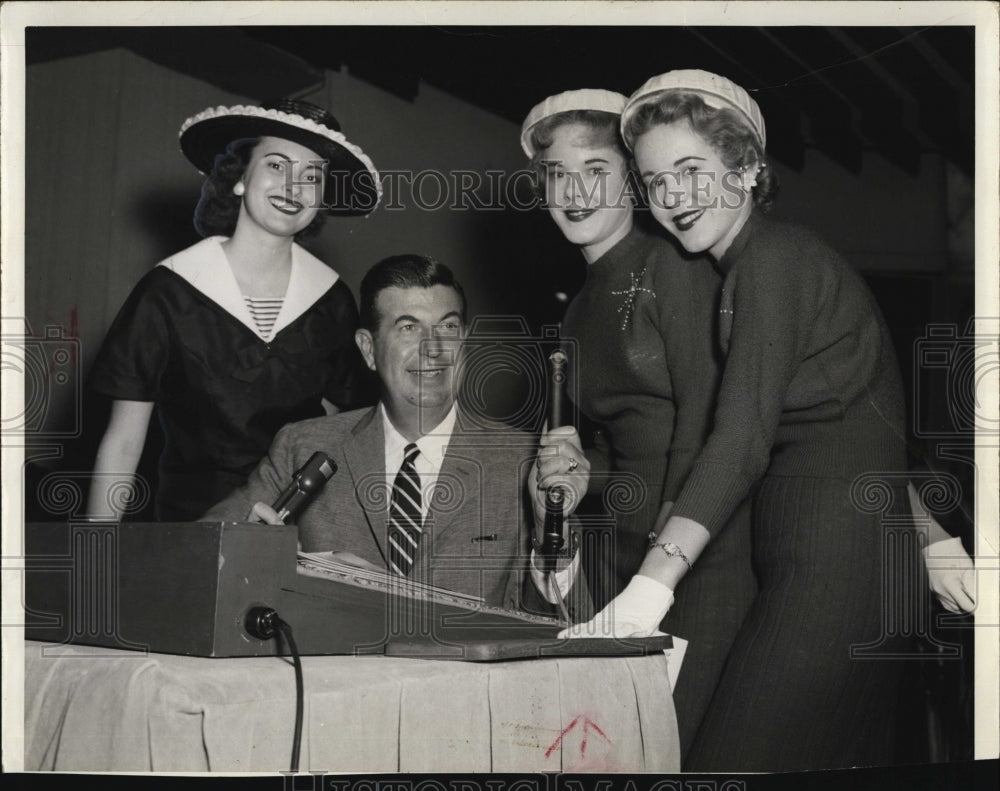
[(286, 632), (264, 623)]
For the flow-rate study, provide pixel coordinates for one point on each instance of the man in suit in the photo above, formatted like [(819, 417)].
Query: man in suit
[(421, 488)]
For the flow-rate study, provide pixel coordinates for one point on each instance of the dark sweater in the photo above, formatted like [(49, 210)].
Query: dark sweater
[(643, 355), (809, 361), (642, 335)]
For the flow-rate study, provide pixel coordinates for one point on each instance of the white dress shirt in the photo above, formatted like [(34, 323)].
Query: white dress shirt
[(432, 447)]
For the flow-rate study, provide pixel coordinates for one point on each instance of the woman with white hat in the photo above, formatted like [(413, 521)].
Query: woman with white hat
[(639, 339), (811, 406), (244, 331)]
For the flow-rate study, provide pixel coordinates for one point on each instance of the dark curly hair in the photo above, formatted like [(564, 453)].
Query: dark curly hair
[(723, 129), (603, 131), (218, 208)]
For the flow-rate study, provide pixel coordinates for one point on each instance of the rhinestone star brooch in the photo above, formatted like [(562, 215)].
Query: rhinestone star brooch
[(630, 294)]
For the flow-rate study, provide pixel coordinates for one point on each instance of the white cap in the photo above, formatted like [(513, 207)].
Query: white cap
[(717, 92), (583, 99)]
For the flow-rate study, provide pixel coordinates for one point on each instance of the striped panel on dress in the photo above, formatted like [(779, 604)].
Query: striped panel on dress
[(264, 311)]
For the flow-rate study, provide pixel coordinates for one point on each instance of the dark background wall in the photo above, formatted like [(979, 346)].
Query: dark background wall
[(108, 193)]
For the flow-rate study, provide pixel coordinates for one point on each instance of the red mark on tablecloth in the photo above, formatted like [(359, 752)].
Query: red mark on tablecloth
[(587, 725)]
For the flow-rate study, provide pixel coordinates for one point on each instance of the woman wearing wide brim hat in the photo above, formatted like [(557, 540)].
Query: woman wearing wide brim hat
[(640, 342), (810, 420), (351, 185), (244, 331)]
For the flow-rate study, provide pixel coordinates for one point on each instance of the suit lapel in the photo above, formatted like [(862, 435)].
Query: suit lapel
[(456, 511), (453, 517), (364, 454), (459, 484)]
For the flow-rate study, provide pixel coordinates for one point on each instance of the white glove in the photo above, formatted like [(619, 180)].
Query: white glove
[(951, 574), (635, 612)]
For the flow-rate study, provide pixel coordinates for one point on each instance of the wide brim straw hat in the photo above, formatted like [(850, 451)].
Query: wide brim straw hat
[(583, 99), (715, 90), (352, 185)]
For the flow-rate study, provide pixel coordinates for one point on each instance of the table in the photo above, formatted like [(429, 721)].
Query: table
[(96, 709)]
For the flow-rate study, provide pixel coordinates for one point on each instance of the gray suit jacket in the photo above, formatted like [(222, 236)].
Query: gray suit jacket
[(477, 533)]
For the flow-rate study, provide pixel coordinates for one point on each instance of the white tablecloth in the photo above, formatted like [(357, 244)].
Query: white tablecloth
[(93, 709)]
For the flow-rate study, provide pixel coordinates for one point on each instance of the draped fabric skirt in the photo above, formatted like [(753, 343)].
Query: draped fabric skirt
[(812, 681)]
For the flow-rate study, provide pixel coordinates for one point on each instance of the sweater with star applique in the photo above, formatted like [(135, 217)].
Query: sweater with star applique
[(643, 359), (642, 335)]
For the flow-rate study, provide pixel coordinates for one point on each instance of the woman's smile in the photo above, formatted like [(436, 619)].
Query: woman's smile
[(286, 205), (578, 215), (686, 220)]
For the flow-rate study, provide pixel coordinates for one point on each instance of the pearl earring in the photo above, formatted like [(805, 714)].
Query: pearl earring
[(239, 188)]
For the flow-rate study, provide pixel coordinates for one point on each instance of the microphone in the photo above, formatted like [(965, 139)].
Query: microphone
[(557, 387), (305, 485), (552, 539)]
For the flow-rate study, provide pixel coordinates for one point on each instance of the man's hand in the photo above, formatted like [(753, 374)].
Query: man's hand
[(560, 462), (262, 512)]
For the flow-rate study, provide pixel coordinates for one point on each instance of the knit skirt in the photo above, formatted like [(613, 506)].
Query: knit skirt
[(812, 681), (710, 605)]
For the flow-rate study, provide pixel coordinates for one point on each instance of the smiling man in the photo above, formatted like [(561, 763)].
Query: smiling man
[(421, 489)]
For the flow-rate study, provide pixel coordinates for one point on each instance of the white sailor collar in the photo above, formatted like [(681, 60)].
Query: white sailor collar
[(204, 265)]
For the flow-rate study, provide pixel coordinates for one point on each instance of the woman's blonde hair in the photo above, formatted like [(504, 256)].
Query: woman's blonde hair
[(602, 130)]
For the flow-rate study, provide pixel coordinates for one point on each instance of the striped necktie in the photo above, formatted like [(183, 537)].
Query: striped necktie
[(404, 514)]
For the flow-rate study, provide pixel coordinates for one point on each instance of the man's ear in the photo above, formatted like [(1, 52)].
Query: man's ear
[(366, 344)]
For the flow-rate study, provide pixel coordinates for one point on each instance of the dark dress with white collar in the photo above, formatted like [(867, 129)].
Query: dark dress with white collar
[(221, 391)]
